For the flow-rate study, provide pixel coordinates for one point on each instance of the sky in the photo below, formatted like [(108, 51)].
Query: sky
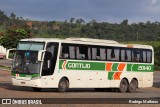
[(113, 11)]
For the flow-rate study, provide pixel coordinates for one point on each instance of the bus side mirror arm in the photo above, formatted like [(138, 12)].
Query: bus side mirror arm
[(7, 54), (40, 53)]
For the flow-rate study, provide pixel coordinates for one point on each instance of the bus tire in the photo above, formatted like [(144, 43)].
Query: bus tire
[(133, 86), (36, 89), (123, 86), (63, 85)]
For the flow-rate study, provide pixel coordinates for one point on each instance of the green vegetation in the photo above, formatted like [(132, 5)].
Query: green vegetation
[(13, 28), (5, 68), (11, 37)]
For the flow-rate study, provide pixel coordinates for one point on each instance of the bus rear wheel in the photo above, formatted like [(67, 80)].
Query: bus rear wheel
[(123, 86), (63, 85), (133, 86)]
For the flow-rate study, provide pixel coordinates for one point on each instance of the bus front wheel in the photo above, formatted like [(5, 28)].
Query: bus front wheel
[(123, 86), (63, 85), (133, 86)]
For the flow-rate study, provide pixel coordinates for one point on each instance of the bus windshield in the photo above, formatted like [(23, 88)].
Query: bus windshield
[(26, 58), (26, 62)]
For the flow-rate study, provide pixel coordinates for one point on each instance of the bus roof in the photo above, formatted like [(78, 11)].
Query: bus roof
[(72, 39), (92, 40), (87, 41)]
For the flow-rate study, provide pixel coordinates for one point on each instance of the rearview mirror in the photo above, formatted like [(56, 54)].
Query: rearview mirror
[(40, 53), (10, 54)]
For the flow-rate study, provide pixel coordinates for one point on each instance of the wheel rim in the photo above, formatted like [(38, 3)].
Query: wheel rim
[(123, 86), (63, 86), (133, 86)]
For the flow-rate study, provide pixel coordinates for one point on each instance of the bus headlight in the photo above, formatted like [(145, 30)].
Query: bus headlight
[(34, 78), (13, 76)]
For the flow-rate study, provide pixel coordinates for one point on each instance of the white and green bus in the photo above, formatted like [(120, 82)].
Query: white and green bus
[(82, 63)]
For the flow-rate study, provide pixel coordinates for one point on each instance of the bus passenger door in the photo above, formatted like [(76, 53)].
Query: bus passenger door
[(49, 64)]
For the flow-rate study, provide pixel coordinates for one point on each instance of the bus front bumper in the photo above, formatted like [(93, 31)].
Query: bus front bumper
[(28, 83)]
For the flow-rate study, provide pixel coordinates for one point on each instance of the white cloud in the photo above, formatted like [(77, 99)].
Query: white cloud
[(153, 7), (153, 1)]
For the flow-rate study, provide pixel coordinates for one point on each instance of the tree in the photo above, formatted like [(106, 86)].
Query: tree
[(125, 22), (72, 20), (3, 18), (80, 21), (13, 16), (11, 37)]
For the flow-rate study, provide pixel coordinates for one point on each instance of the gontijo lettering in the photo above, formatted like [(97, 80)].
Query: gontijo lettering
[(78, 65)]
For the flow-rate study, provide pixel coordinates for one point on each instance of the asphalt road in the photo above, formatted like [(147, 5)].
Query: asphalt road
[(5, 62), (7, 90)]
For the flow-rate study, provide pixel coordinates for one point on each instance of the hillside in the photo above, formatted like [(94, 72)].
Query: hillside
[(13, 28), (149, 31)]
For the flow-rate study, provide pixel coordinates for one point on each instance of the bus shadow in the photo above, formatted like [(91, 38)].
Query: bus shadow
[(92, 90), (156, 84), (9, 86)]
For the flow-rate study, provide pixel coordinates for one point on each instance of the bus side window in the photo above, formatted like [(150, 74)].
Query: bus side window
[(64, 52), (141, 56), (72, 52), (116, 52), (128, 55), (102, 54), (149, 56), (134, 56), (82, 52), (94, 53), (123, 55), (113, 55), (137, 55), (98, 54), (144, 56), (89, 53), (109, 54)]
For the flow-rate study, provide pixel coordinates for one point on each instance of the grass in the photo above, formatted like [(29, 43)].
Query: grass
[(1, 29), (4, 67)]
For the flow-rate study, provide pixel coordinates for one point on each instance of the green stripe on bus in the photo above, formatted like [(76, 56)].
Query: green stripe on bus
[(140, 67), (115, 67), (100, 66), (25, 75), (79, 65), (129, 67), (110, 75)]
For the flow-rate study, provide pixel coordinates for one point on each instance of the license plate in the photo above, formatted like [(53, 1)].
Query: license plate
[(22, 82)]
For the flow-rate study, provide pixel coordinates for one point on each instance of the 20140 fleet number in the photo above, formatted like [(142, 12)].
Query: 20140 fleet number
[(144, 68)]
